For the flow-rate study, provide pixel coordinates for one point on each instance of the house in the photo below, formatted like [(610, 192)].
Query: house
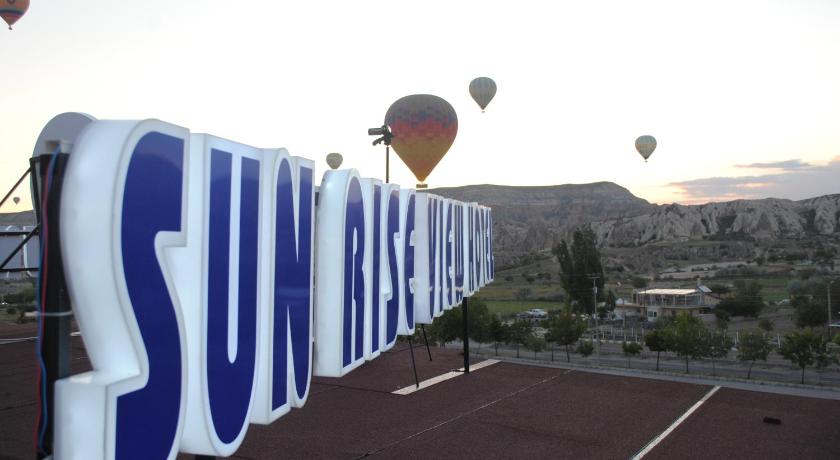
[(655, 302)]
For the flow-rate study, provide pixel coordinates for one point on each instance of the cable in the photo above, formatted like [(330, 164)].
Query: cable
[(40, 293)]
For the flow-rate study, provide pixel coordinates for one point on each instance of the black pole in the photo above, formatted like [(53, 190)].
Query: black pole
[(205, 457), (12, 190), (387, 162), (426, 339), (413, 364), (47, 179), (466, 336)]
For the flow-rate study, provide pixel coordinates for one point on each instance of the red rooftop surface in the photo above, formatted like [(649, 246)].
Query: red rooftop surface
[(504, 410)]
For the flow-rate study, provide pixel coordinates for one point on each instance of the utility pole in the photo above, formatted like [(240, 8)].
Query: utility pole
[(594, 277), (828, 305)]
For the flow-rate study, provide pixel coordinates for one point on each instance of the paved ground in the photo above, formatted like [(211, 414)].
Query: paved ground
[(504, 410)]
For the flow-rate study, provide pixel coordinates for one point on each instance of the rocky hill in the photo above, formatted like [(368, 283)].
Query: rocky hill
[(529, 219), (533, 219), (767, 219)]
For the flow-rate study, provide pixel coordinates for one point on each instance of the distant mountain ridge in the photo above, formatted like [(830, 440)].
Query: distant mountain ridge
[(530, 219)]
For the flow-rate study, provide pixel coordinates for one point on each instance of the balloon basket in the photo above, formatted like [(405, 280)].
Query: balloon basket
[(422, 186)]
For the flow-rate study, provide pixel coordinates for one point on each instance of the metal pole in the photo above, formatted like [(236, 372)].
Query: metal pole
[(466, 335), (426, 339), (55, 308), (413, 363), (828, 305), (387, 163), (594, 277)]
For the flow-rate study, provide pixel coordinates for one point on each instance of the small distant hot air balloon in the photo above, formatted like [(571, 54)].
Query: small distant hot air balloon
[(16, 199), (482, 90), (423, 128), (12, 10), (645, 145), (334, 160)]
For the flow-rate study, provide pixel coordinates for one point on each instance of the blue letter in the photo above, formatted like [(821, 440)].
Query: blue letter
[(292, 283), (354, 283), (230, 380), (393, 305), (147, 419)]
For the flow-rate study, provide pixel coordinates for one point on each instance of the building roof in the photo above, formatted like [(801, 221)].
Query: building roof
[(669, 291)]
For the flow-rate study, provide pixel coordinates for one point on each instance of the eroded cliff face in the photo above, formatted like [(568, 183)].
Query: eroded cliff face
[(766, 219)]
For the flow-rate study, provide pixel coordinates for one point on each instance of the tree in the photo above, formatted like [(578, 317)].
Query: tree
[(753, 346), (565, 329), (576, 264), (639, 282), (808, 312), (716, 345), (602, 312), (446, 328), (520, 331), (656, 341), (611, 300), (630, 349), (766, 325), (450, 325), (746, 301), (804, 347), (535, 343), (480, 318), (684, 337), (585, 348), (720, 289), (499, 332), (722, 317)]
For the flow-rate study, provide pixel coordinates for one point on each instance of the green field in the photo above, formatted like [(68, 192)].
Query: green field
[(511, 307)]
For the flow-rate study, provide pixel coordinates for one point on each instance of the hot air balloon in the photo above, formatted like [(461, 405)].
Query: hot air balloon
[(482, 90), (334, 160), (12, 10), (16, 199), (423, 127), (645, 145)]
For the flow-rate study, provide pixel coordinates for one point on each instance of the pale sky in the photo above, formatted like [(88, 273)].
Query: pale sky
[(739, 94)]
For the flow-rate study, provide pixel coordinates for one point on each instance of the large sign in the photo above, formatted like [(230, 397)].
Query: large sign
[(211, 280)]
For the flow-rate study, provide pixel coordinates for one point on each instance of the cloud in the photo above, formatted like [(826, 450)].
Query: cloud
[(798, 181), (788, 165)]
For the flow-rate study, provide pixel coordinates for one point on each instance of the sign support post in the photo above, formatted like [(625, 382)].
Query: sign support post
[(54, 308), (466, 309)]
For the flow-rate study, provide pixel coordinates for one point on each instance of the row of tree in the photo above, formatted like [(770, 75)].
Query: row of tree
[(564, 329), (684, 335), (689, 338)]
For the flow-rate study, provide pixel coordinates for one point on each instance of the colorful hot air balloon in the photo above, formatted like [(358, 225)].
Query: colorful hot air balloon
[(482, 90), (12, 10), (334, 160), (16, 200), (645, 145), (423, 128)]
